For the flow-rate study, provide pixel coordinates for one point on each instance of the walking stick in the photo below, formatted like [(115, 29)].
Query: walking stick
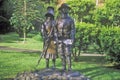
[(47, 43)]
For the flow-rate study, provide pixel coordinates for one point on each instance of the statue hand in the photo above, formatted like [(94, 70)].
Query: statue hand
[(68, 42)]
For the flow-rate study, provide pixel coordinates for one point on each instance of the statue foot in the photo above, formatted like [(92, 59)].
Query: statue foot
[(69, 69), (53, 67), (47, 67), (64, 69)]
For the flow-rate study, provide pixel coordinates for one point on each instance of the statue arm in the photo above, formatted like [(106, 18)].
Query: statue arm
[(55, 32), (43, 31), (73, 31)]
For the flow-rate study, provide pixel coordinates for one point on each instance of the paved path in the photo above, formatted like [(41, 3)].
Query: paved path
[(17, 49), (91, 54), (38, 51)]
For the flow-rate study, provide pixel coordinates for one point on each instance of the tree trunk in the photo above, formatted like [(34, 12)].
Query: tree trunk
[(97, 1), (20, 33), (81, 20), (24, 31)]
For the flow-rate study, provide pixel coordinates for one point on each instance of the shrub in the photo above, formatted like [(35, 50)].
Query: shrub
[(85, 34), (108, 41), (105, 40)]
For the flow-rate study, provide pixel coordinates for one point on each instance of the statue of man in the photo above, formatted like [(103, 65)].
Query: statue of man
[(47, 31), (66, 35)]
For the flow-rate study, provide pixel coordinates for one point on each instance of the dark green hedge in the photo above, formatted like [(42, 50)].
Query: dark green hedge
[(104, 40), (108, 41)]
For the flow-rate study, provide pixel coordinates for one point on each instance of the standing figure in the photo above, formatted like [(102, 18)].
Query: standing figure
[(66, 35), (47, 31)]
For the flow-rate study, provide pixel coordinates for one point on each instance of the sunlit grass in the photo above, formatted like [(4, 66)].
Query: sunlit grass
[(12, 63), (33, 41)]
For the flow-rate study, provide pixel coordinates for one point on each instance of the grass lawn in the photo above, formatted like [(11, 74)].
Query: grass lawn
[(33, 41), (91, 66), (11, 62)]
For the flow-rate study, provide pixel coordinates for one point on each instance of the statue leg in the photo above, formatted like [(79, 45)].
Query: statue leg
[(68, 56), (69, 62), (47, 63), (62, 55), (53, 61), (63, 58)]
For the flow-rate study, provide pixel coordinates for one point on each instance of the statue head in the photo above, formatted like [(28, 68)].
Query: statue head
[(50, 12), (64, 5), (64, 8)]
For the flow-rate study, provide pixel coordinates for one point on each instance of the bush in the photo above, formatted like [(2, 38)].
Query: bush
[(85, 34), (104, 39), (108, 41)]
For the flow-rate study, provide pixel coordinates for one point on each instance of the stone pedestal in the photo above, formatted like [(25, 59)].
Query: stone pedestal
[(50, 74)]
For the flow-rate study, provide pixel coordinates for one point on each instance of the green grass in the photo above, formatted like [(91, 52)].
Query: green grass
[(96, 68), (11, 62), (33, 41), (93, 67)]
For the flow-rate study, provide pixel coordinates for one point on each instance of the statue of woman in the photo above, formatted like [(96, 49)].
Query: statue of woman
[(48, 34)]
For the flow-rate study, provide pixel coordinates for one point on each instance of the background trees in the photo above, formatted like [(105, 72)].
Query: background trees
[(5, 14), (82, 10), (109, 14), (25, 13), (113, 11)]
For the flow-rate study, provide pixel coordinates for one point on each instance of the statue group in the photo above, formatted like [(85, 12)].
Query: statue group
[(58, 36)]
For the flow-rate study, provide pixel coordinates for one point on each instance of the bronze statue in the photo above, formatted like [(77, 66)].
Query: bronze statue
[(47, 31), (66, 35)]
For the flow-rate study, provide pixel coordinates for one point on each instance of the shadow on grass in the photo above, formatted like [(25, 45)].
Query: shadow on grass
[(9, 38), (9, 49), (100, 73), (95, 68)]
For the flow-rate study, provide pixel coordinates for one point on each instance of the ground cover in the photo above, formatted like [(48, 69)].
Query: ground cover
[(13, 62)]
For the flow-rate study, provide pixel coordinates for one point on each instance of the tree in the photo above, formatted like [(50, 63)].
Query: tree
[(81, 8), (24, 13), (101, 17), (109, 14), (113, 10)]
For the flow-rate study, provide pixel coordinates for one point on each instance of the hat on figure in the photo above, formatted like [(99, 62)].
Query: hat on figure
[(64, 5), (50, 11)]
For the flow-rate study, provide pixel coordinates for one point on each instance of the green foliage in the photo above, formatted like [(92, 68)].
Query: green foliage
[(82, 10), (104, 40), (109, 14), (113, 10), (85, 35), (6, 8), (108, 41), (101, 17), (25, 13)]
